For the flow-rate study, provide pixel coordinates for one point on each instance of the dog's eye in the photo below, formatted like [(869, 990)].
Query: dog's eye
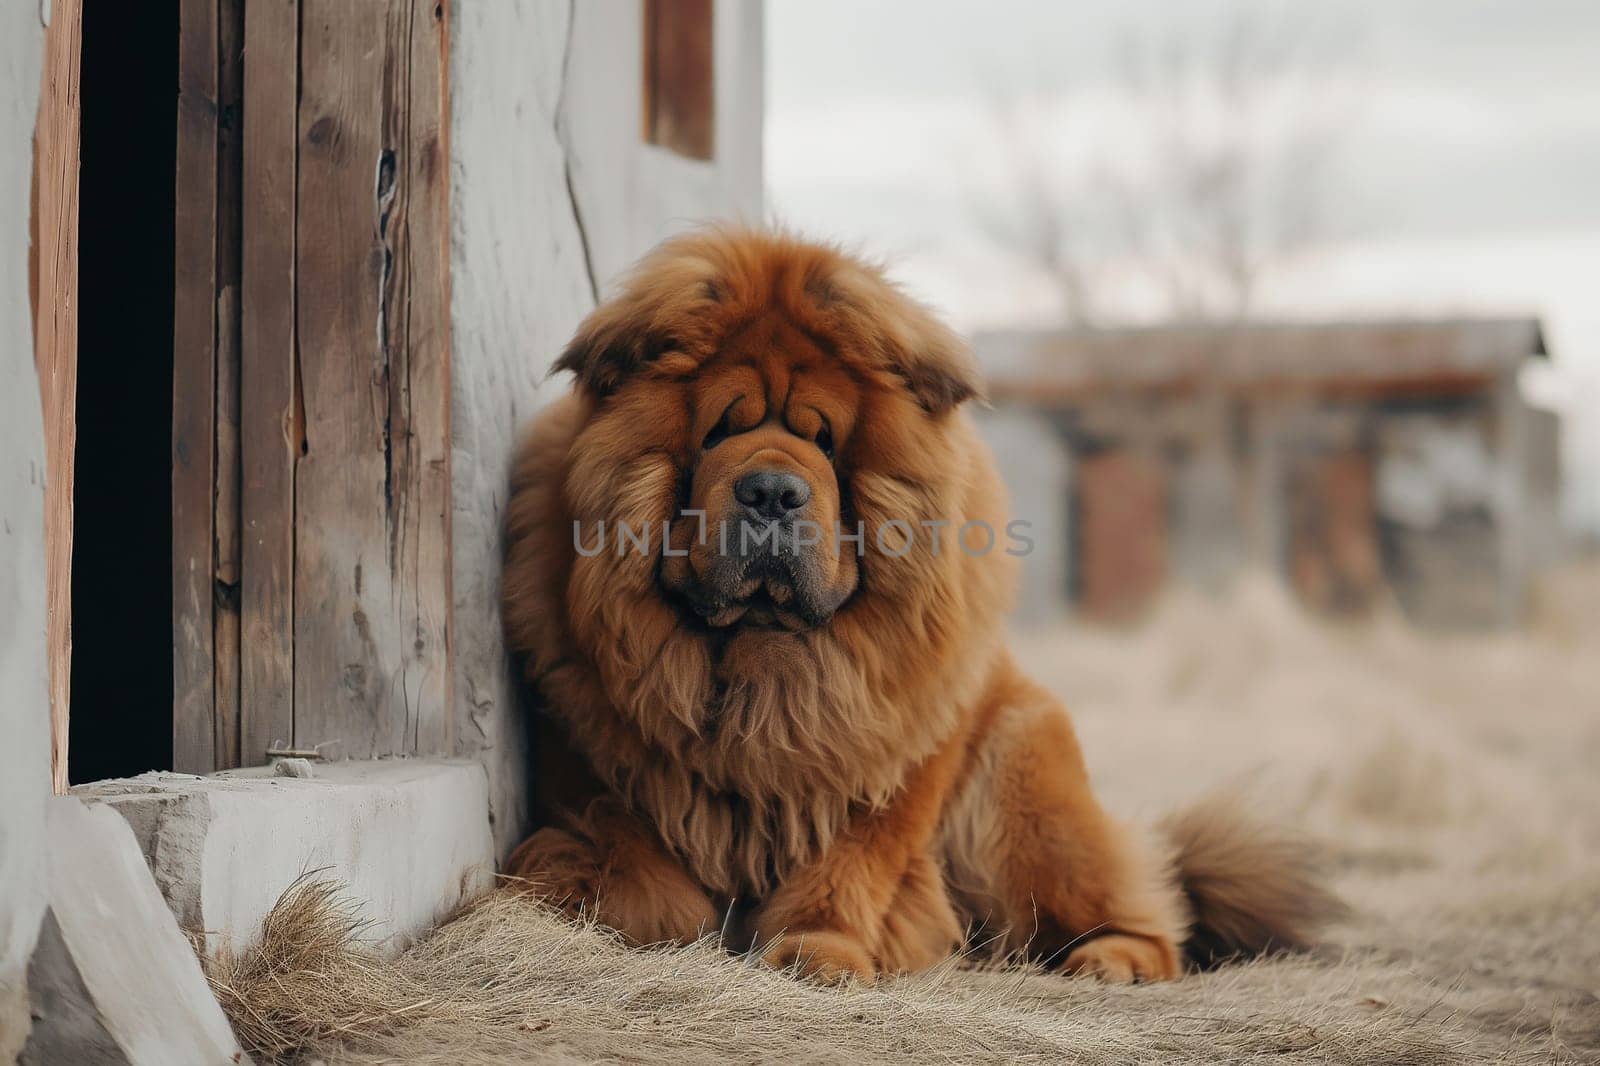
[(825, 440), (718, 434)]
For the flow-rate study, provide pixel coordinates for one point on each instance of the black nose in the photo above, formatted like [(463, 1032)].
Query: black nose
[(771, 493)]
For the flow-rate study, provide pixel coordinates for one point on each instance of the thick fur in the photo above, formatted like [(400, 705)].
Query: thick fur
[(1252, 886), (831, 754)]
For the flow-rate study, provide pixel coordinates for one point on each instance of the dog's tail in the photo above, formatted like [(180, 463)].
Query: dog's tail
[(1252, 887)]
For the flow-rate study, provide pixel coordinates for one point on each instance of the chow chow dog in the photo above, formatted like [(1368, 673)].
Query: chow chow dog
[(757, 568)]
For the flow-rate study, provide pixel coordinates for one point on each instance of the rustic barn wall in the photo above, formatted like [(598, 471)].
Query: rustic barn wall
[(24, 683), (1358, 458), (311, 390), (552, 192)]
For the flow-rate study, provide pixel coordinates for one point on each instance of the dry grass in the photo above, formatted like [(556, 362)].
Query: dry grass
[(1454, 780)]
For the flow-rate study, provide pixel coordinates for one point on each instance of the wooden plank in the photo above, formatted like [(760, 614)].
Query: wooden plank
[(679, 107), (422, 498), (54, 277), (371, 590), (225, 602), (194, 390), (225, 609), (345, 627), (270, 422)]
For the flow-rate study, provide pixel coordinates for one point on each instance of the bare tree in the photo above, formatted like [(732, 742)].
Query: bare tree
[(1037, 220), (1209, 180)]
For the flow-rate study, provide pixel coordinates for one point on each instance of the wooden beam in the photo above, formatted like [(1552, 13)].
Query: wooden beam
[(679, 107), (53, 272), (344, 623), (1045, 393), (423, 501), (372, 488), (194, 733), (225, 603), (271, 421)]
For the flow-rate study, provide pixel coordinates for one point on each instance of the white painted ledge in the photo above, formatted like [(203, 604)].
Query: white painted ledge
[(408, 838)]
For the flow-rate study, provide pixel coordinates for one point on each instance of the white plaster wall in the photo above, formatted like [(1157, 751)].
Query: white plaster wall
[(551, 194), (24, 693), (631, 194)]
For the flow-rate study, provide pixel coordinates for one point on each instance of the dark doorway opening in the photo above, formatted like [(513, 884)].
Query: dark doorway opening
[(121, 717)]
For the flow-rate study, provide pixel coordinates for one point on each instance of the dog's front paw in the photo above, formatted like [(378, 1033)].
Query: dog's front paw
[(1119, 958), (831, 958)]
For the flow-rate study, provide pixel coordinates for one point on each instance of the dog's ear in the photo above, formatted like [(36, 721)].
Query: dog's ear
[(907, 338), (665, 306), (936, 364), (614, 341)]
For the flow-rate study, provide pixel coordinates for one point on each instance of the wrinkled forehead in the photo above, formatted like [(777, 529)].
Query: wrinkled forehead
[(771, 366)]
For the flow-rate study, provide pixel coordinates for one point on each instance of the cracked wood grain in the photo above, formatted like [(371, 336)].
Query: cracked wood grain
[(371, 608), (269, 417)]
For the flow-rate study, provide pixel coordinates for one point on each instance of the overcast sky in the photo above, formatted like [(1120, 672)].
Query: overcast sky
[(1463, 176)]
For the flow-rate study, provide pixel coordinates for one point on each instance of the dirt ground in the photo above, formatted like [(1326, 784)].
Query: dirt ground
[(1454, 779)]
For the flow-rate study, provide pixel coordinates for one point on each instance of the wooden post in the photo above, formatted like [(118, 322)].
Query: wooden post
[(54, 276), (424, 559), (226, 510), (194, 732), (271, 418)]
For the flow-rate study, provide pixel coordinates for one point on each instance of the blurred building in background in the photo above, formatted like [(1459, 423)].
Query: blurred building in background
[(1101, 165), (1358, 459)]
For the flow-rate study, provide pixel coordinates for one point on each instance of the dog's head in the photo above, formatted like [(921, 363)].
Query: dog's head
[(767, 421)]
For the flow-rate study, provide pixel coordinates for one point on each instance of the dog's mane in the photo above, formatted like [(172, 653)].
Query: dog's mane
[(749, 752)]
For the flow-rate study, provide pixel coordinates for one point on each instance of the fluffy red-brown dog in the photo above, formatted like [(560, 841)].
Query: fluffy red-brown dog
[(757, 566)]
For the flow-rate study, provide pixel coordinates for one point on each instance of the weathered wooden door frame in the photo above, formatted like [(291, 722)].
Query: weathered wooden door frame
[(53, 278), (311, 387)]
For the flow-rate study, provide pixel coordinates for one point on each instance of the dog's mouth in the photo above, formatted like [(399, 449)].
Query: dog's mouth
[(724, 584), (762, 592), (762, 604)]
